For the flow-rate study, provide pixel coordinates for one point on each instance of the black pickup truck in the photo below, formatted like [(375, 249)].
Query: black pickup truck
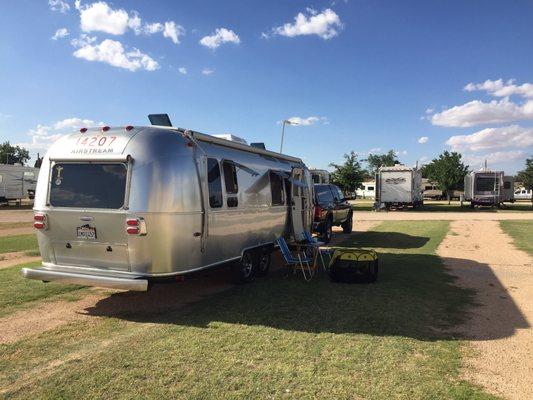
[(331, 208)]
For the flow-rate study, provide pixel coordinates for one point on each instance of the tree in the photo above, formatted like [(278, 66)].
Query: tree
[(375, 161), (526, 176), (38, 162), (349, 175), (13, 154), (447, 172)]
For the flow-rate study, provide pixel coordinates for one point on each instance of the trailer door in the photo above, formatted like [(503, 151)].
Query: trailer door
[(300, 203)]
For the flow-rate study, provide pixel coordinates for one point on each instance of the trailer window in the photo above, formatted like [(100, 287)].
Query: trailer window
[(29, 174), (486, 184), (507, 185), (88, 185), (230, 177), (214, 183), (370, 188), (276, 188)]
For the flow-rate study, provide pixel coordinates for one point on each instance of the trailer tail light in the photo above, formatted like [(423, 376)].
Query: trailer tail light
[(83, 130), (105, 128), (136, 226), (39, 221), (128, 128)]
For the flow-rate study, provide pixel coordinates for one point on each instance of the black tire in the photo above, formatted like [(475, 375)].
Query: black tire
[(244, 269), (327, 230), (347, 226), (263, 262)]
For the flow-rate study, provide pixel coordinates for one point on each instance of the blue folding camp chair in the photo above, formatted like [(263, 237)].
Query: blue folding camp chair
[(299, 261), (316, 244)]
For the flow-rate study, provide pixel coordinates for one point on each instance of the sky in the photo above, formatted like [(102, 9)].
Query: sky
[(418, 77)]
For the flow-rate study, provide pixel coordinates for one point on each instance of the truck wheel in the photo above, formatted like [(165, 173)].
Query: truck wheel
[(243, 271), (327, 232), (263, 261), (347, 226)]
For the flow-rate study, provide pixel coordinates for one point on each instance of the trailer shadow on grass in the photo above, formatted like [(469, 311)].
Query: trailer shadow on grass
[(414, 297)]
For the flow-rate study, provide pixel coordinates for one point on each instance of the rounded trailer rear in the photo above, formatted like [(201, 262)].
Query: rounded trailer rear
[(123, 207)]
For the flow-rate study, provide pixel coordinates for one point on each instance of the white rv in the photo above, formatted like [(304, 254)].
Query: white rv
[(320, 176), (17, 182), (398, 187), (367, 190), (125, 207), (488, 188)]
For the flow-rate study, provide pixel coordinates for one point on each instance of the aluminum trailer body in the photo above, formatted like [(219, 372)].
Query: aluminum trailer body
[(398, 186), (124, 207), (17, 182), (488, 188)]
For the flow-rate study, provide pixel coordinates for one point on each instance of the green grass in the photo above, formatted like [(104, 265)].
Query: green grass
[(521, 232), (276, 338), (17, 293), (9, 244)]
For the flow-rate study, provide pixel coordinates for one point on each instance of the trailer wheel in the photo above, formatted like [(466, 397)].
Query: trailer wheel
[(347, 226), (244, 269), (263, 261)]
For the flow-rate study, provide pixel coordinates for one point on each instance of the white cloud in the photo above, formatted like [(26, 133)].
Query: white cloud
[(423, 140), (493, 138), (430, 110), (60, 33), (477, 112), (42, 136), (221, 35), (182, 70), (499, 88), (83, 40), (326, 25), (100, 17), (207, 71), (477, 160), (308, 121), (59, 5), (173, 31), (113, 53)]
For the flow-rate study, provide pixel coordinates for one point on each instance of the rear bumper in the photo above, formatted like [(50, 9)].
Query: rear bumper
[(42, 274)]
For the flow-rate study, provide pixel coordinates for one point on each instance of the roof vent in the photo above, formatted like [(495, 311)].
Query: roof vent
[(231, 138), (258, 145)]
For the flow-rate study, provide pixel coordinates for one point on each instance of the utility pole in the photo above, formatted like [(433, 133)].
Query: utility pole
[(288, 122)]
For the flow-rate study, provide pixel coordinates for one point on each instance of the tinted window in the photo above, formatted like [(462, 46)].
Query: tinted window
[(276, 188), (316, 178), (370, 188), (485, 184), (214, 183), (323, 194), (88, 185), (337, 192), (230, 177)]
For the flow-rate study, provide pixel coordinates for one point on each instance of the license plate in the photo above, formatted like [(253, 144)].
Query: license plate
[(86, 232)]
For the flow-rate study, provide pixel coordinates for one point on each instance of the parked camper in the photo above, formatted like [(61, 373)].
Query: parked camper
[(124, 207), (523, 194), (366, 191), (488, 188), (320, 176), (398, 186), (431, 190), (17, 182)]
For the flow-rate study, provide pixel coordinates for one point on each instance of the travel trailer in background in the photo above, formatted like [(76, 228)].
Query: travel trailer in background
[(488, 188), (398, 186), (124, 207), (431, 190), (320, 176), (17, 182), (366, 191)]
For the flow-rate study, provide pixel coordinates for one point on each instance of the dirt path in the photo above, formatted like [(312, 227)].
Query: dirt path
[(10, 259), (439, 216), (16, 215), (499, 329), (16, 231)]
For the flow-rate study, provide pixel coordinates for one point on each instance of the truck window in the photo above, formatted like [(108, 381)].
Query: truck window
[(337, 192), (88, 185), (230, 177), (323, 194), (214, 183), (276, 188)]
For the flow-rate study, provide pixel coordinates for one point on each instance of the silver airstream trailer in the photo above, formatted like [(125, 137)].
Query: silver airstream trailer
[(125, 207)]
